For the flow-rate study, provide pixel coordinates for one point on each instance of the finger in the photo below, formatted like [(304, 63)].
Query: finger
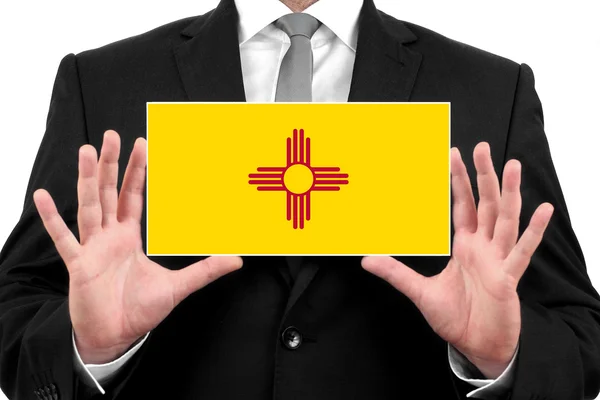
[(506, 230), (194, 277), (108, 174), (464, 211), (64, 240), (489, 190), (131, 199), (520, 256), (89, 215), (397, 274)]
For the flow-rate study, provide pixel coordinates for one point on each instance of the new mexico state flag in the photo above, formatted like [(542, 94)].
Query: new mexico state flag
[(298, 178)]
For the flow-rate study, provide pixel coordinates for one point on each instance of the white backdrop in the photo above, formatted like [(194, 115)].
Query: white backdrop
[(559, 40)]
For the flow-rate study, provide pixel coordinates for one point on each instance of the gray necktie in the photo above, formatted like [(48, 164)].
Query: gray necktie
[(295, 75)]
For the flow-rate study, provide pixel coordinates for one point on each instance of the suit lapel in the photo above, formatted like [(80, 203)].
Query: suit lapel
[(384, 70), (209, 60), (210, 68)]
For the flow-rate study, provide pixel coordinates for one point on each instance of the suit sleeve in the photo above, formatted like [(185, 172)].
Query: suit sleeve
[(34, 314), (559, 356), (36, 351)]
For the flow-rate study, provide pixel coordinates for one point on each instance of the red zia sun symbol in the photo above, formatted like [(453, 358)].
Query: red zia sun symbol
[(298, 178)]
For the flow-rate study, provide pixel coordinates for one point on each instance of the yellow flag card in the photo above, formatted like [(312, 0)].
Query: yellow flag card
[(298, 178)]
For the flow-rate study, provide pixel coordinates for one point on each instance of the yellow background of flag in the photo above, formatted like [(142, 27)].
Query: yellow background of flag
[(396, 154)]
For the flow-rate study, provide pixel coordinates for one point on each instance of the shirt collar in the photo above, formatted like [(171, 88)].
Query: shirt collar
[(341, 16)]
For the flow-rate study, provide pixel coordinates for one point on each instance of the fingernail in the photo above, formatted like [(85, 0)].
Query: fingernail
[(367, 262)]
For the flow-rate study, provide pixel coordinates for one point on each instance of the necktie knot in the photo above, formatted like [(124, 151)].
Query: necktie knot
[(295, 24)]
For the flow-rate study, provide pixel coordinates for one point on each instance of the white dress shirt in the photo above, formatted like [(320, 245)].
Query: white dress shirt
[(262, 48)]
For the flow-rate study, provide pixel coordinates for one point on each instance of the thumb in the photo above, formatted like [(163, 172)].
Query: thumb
[(195, 276), (403, 278)]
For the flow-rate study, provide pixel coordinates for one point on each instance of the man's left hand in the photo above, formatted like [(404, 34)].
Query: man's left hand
[(473, 303)]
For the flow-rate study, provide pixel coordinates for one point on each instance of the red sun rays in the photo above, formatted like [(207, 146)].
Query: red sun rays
[(298, 203)]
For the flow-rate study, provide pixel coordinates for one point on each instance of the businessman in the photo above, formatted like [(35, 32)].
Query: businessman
[(84, 313)]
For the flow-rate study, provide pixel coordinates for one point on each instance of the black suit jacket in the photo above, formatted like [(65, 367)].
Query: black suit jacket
[(361, 338)]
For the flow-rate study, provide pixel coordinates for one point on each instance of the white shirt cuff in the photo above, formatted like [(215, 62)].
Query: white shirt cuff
[(93, 374), (487, 388)]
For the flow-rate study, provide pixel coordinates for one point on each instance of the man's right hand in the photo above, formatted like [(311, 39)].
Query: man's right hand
[(117, 294)]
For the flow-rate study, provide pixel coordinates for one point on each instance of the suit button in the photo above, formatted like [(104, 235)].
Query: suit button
[(292, 338)]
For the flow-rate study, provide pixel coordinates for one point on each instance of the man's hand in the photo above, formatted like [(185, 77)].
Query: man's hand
[(117, 294), (473, 303)]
